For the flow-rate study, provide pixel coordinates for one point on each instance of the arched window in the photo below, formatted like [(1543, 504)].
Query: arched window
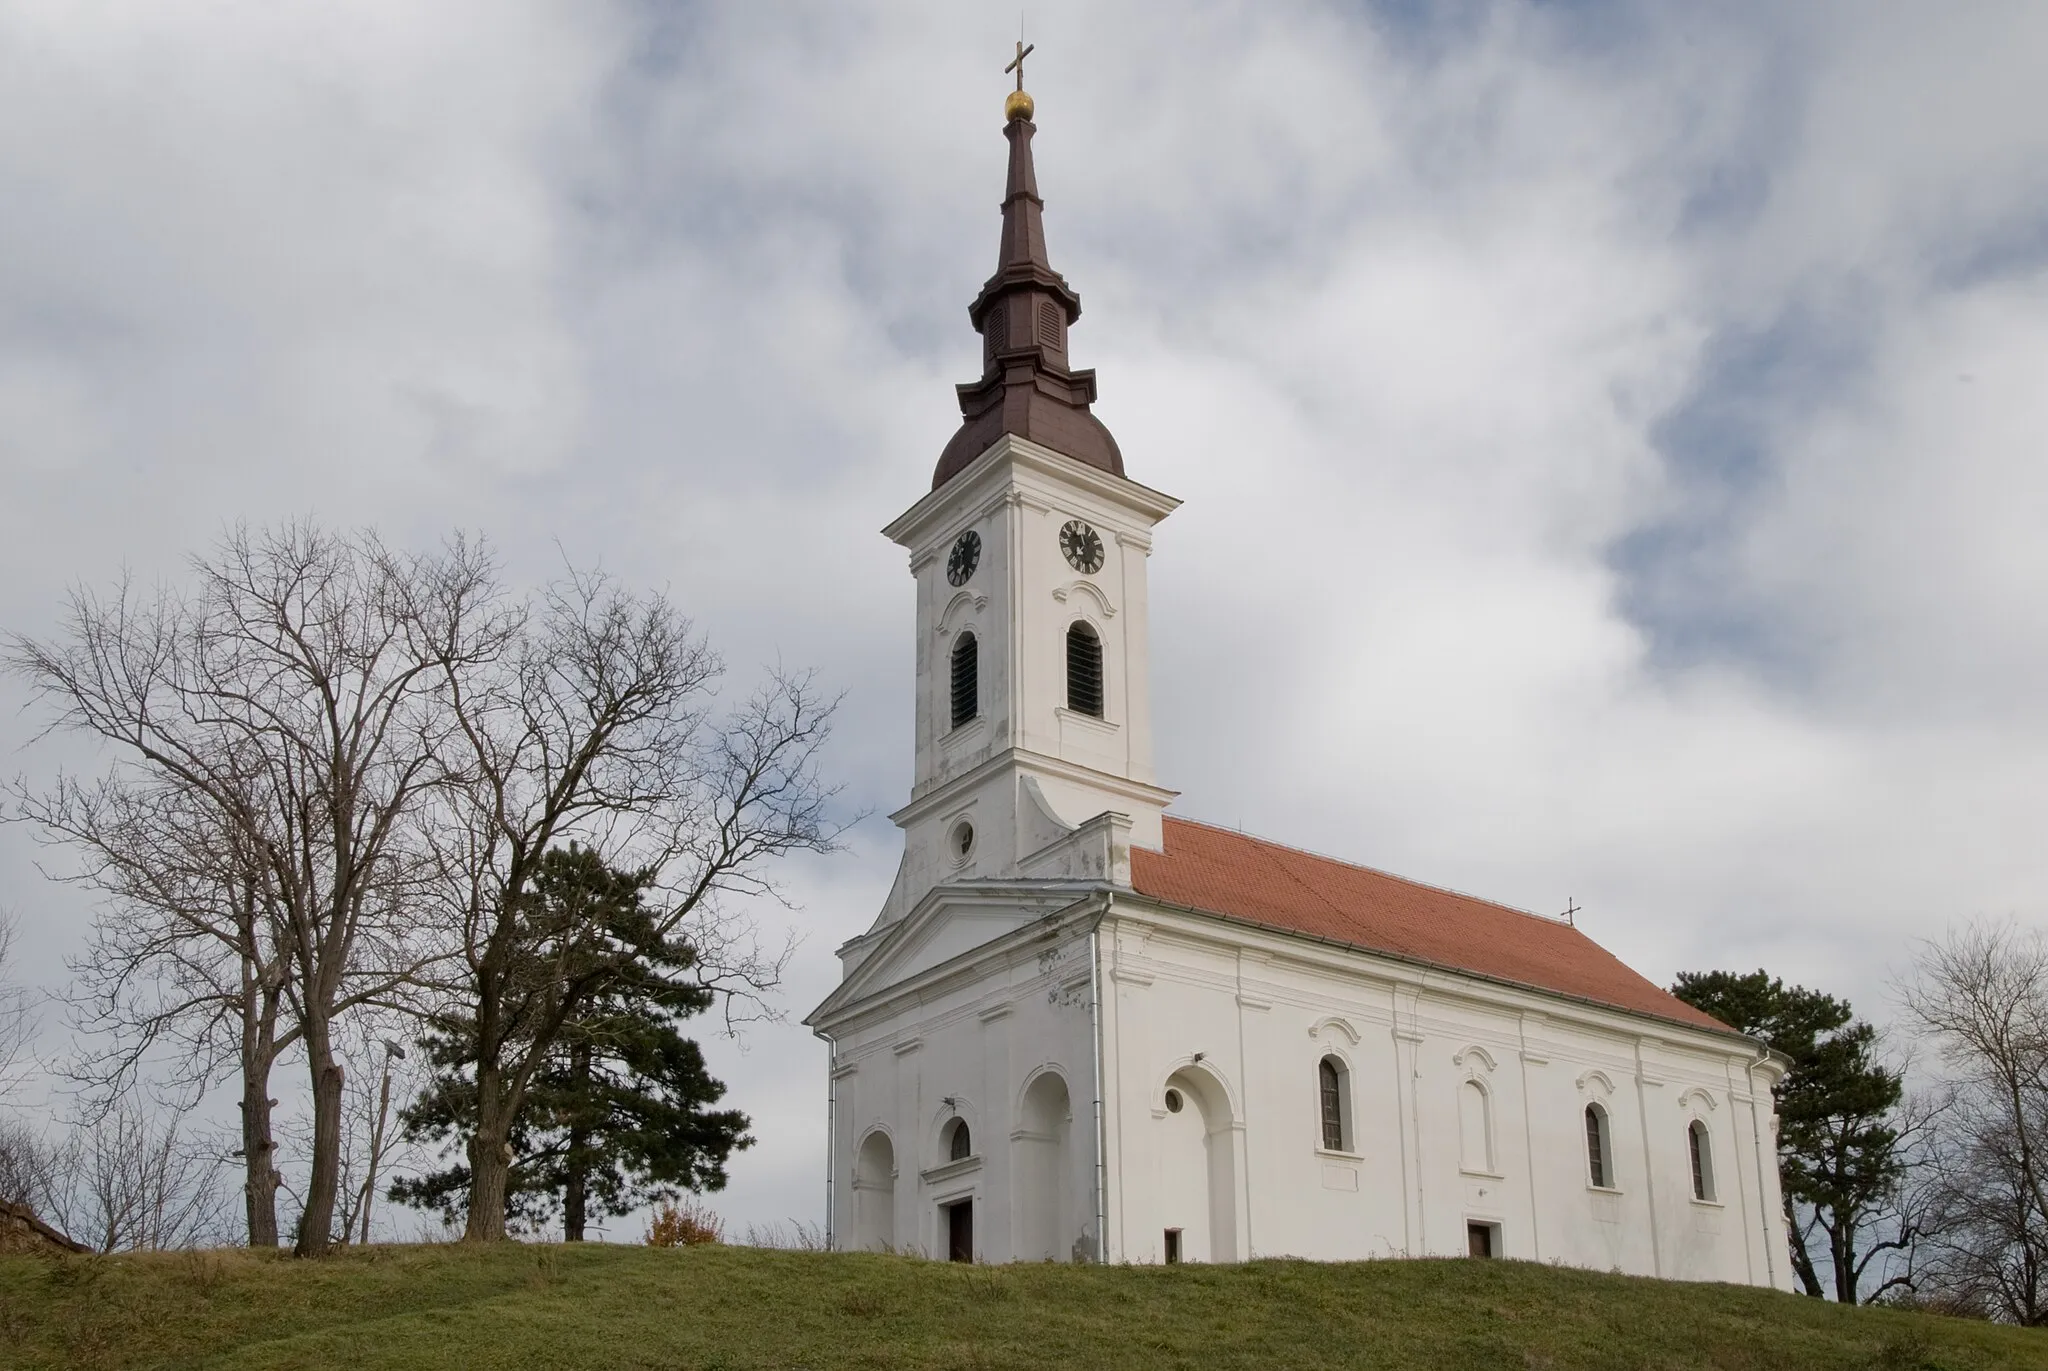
[(1330, 1075), (1084, 670), (1475, 1128), (959, 1145), (1702, 1148), (1599, 1152), (966, 679)]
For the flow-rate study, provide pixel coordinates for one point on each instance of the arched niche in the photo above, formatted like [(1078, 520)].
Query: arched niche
[(874, 1192), (1047, 1223), (1199, 1155)]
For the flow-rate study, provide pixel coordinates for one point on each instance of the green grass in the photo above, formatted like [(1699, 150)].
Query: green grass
[(730, 1307)]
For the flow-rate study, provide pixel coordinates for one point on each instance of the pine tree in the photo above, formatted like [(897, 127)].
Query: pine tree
[(619, 1115), (1839, 1145)]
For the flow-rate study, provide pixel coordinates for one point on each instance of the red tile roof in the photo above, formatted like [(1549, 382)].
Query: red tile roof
[(1220, 872)]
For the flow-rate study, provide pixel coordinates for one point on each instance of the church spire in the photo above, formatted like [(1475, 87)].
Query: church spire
[(1022, 314)]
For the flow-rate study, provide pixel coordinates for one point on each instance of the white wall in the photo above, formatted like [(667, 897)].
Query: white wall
[(1262, 1011), (1007, 1038)]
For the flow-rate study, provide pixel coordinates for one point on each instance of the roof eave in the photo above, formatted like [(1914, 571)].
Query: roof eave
[(1408, 959)]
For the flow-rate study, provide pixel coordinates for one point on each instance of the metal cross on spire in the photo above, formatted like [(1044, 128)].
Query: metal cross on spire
[(1017, 63)]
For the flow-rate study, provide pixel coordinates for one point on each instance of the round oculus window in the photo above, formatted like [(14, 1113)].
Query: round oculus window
[(1174, 1102), (963, 841)]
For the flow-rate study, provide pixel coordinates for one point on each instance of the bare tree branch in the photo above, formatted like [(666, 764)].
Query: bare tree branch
[(273, 728), (603, 732)]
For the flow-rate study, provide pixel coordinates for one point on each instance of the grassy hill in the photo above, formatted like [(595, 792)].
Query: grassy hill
[(712, 1307)]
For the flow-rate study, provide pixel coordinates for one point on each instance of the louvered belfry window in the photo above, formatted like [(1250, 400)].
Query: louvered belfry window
[(1049, 325), (1084, 671), (995, 332), (966, 679)]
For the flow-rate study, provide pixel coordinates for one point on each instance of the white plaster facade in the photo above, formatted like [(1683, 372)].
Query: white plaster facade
[(1126, 1069)]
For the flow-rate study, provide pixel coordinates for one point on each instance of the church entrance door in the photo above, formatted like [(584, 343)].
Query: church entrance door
[(960, 1231)]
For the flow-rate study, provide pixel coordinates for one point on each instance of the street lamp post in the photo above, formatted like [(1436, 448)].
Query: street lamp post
[(391, 1049)]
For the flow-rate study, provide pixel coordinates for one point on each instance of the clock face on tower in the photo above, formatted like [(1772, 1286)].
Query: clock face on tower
[(966, 556), (1082, 546)]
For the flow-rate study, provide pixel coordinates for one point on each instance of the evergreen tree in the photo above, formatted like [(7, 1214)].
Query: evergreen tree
[(1840, 1148), (619, 1114)]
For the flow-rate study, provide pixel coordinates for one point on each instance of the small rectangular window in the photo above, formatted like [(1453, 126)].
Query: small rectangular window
[(1173, 1247)]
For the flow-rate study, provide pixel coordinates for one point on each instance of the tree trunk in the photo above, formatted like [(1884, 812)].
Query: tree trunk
[(576, 1164), (260, 1001), (1843, 1251), (572, 1194), (490, 1160), (316, 1223), (1802, 1260), (259, 1153)]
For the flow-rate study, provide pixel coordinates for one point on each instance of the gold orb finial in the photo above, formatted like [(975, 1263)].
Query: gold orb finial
[(1017, 105)]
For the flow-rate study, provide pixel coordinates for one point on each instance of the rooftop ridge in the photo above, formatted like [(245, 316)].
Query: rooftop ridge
[(1551, 919)]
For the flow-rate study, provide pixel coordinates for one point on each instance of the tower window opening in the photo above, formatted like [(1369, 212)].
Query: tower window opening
[(966, 679), (1084, 670)]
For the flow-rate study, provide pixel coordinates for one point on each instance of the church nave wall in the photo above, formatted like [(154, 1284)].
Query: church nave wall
[(1462, 1103)]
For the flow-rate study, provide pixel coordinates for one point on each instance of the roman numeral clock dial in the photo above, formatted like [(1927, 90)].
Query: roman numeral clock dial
[(965, 557), (1082, 546)]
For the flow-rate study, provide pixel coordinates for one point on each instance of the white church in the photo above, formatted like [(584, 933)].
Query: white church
[(1086, 1029)]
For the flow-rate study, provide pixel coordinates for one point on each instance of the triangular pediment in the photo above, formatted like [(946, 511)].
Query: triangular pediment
[(948, 927)]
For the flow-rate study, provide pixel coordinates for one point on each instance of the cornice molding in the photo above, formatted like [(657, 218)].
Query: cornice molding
[(1023, 759), (960, 498)]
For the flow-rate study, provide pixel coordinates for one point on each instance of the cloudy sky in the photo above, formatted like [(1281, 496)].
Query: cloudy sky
[(1614, 436)]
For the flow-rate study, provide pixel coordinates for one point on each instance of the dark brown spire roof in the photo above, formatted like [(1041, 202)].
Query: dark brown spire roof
[(1022, 315)]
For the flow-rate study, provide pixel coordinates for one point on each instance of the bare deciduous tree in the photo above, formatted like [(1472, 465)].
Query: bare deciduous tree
[(284, 716), (186, 969), (28, 1166), (17, 1023), (1981, 992), (131, 1181), (603, 730)]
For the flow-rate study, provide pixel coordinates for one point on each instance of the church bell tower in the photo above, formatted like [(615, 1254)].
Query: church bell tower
[(1033, 705)]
